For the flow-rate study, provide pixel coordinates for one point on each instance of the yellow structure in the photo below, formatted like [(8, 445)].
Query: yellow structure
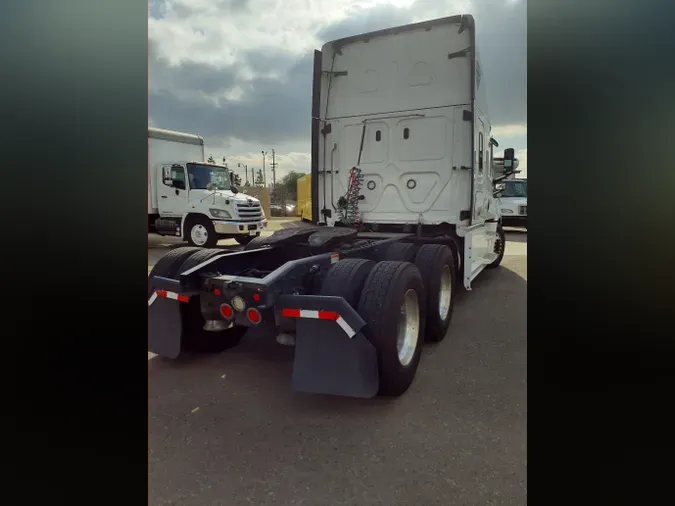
[(304, 209)]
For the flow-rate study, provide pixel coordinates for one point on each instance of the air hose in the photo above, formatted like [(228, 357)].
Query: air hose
[(349, 204)]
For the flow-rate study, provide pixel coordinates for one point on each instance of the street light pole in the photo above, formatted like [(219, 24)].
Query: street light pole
[(245, 170)]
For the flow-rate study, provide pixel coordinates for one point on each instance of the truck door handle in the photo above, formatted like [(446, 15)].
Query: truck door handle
[(163, 196)]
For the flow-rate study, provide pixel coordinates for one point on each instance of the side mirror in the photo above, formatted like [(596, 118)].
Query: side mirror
[(178, 184), (234, 189), (509, 158), (209, 187)]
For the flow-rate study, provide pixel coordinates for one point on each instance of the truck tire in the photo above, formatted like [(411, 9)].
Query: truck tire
[(393, 289), (169, 265), (346, 279), (254, 243), (398, 252), (245, 239), (201, 255), (195, 338), (500, 247), (436, 263), (199, 232)]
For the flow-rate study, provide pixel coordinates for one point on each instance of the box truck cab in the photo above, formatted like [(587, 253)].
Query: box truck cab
[(513, 203), (195, 200)]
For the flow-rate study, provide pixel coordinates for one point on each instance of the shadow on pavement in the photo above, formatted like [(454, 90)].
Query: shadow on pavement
[(229, 429), (516, 235)]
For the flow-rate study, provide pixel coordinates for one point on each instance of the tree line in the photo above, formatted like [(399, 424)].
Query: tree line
[(288, 185)]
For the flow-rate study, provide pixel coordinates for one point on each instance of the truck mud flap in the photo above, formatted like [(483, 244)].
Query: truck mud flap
[(332, 356), (165, 324)]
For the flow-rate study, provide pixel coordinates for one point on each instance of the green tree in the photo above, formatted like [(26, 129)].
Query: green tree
[(289, 185)]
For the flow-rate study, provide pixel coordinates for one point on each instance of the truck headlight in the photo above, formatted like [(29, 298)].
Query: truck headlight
[(220, 213), (507, 211)]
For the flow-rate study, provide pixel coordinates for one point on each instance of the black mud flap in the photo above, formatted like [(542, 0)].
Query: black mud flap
[(332, 356), (165, 325)]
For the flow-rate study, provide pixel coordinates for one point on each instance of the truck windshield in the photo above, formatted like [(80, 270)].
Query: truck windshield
[(201, 175), (515, 189)]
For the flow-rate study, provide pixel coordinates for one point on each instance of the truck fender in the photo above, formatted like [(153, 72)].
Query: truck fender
[(182, 225)]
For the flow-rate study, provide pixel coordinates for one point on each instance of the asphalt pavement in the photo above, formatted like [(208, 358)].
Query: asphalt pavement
[(228, 429)]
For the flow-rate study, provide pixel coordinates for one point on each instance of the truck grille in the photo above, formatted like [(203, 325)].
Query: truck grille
[(249, 212), (523, 210)]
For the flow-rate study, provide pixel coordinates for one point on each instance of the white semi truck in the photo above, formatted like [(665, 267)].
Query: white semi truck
[(404, 212), (195, 200)]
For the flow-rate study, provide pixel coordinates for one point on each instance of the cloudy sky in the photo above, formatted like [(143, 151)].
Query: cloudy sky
[(239, 72)]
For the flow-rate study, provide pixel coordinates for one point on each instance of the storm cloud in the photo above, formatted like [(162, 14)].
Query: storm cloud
[(241, 70)]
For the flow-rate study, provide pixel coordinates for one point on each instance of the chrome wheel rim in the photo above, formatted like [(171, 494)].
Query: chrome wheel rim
[(199, 235), (408, 328), (445, 293)]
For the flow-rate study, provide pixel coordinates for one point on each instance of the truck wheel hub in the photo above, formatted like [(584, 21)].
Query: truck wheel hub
[(199, 235)]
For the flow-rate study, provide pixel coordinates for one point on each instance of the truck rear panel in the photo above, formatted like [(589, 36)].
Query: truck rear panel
[(398, 103)]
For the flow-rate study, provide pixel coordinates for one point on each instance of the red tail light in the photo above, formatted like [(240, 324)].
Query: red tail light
[(227, 311), (253, 315)]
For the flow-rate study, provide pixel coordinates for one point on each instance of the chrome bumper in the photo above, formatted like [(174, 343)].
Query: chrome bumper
[(239, 227)]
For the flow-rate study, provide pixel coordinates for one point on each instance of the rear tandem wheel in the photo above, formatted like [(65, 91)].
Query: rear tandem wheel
[(394, 288), (196, 337), (436, 263), (346, 279), (168, 266)]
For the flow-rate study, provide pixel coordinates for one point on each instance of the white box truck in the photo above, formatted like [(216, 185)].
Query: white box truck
[(195, 200), (513, 203)]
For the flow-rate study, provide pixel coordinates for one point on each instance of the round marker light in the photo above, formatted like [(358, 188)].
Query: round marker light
[(253, 315), (226, 311), (256, 297), (238, 303)]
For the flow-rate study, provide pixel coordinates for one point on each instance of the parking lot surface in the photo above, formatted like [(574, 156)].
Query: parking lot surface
[(228, 429)]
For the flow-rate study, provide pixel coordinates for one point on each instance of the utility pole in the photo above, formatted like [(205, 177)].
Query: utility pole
[(274, 172), (264, 153)]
